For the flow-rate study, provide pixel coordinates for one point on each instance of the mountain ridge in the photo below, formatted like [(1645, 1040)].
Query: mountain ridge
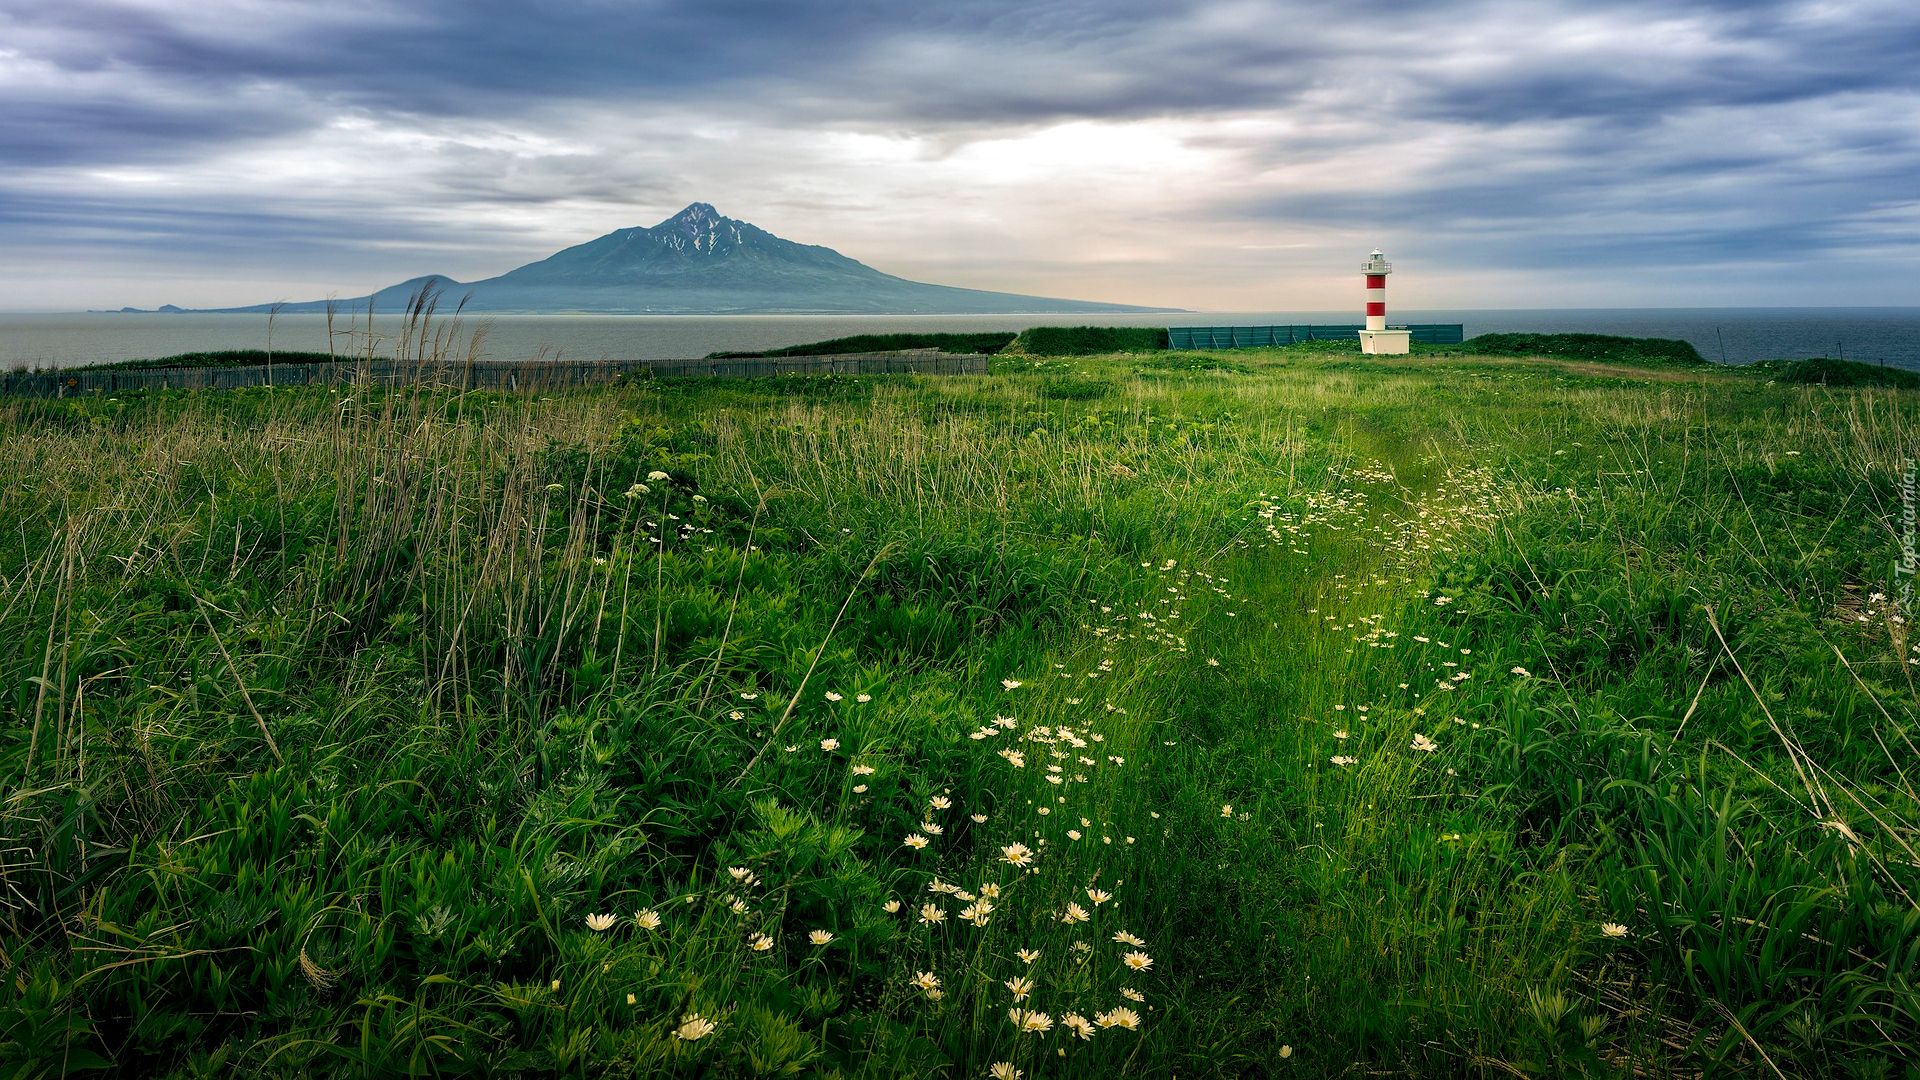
[(700, 261)]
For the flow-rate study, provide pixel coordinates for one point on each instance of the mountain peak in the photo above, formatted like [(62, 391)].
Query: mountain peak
[(695, 214), (699, 230)]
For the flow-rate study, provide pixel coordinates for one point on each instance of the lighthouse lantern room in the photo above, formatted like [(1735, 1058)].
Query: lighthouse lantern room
[(1376, 338)]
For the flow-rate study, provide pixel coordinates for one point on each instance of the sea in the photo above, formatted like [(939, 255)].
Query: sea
[(1886, 335)]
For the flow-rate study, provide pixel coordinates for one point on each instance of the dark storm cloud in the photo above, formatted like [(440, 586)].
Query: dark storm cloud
[(1689, 56), (1696, 129), (109, 131), (452, 59), (203, 229), (971, 60)]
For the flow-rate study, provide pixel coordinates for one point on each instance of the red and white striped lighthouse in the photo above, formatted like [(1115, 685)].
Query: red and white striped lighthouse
[(1376, 338)]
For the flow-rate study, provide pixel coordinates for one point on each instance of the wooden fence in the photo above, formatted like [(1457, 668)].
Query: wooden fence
[(482, 375)]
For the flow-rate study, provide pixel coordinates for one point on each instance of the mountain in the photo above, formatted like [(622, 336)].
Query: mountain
[(701, 262)]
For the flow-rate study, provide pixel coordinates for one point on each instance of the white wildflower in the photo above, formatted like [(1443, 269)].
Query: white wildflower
[(693, 1028)]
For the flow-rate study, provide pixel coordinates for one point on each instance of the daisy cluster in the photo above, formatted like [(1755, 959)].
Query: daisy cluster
[(1877, 611), (1151, 617), (1348, 735), (1077, 971), (684, 528), (1465, 501), (1332, 511), (1065, 973)]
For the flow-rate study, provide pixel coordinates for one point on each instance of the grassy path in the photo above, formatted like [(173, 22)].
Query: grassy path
[(1329, 904)]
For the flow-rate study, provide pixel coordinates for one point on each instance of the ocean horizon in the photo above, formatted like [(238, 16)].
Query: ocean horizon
[(1889, 335)]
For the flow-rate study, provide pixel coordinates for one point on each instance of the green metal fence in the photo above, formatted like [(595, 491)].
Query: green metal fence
[(1248, 337)]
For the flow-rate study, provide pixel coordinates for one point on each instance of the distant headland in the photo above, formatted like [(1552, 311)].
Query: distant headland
[(698, 262)]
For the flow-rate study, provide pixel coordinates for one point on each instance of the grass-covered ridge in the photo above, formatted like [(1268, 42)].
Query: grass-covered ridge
[(1824, 371), (1417, 717), (991, 342), (1601, 347), (1033, 341), (1086, 340), (220, 358)]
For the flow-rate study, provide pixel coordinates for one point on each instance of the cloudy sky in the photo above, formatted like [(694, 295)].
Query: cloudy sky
[(1242, 154)]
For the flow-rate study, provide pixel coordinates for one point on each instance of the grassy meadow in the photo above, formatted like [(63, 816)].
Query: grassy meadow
[(1291, 713)]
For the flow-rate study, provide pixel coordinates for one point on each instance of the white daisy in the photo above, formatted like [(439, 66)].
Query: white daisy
[(1031, 1021), (693, 1028)]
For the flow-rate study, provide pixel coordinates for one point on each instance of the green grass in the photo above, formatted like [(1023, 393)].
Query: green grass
[(859, 343), (219, 358), (333, 716), (1823, 371), (1601, 347), (1086, 340)]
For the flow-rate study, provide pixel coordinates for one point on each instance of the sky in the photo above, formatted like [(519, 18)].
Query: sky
[(1238, 155)]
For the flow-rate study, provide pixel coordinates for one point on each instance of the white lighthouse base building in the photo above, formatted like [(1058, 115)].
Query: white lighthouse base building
[(1386, 342)]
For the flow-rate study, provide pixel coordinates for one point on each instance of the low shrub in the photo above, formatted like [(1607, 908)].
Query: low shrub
[(1822, 371), (221, 358), (861, 343), (1087, 340), (1622, 350)]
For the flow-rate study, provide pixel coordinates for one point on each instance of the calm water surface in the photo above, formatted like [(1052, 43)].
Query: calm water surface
[(1738, 335)]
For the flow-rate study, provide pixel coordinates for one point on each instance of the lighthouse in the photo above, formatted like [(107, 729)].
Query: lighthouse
[(1376, 338)]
